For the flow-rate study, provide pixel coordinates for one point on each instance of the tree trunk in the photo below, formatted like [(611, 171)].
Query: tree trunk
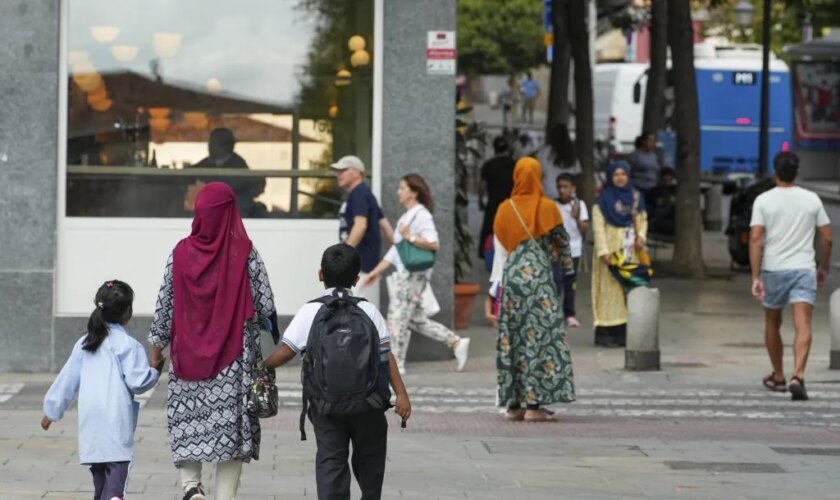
[(584, 108), (688, 255), (655, 93), (558, 94)]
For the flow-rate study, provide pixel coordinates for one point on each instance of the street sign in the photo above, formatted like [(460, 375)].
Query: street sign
[(440, 53)]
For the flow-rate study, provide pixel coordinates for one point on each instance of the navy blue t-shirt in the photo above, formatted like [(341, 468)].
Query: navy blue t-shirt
[(361, 202)]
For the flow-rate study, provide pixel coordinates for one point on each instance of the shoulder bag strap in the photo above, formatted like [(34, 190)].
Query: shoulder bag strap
[(521, 220)]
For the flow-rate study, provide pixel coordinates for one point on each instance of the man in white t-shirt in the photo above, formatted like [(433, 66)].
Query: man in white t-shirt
[(576, 222), (783, 263)]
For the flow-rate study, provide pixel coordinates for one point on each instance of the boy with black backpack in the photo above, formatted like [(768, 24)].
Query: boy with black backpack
[(346, 368)]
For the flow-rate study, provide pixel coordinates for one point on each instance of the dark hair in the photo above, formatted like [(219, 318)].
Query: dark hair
[(566, 177), (500, 145), (562, 146), (640, 140), (340, 266), (113, 305), (667, 171), (417, 184), (223, 137), (786, 165)]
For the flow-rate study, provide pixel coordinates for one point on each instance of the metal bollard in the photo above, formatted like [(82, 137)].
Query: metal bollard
[(642, 351), (713, 214), (834, 311)]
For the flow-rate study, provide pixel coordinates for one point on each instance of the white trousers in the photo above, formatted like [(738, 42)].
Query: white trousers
[(227, 477), (406, 314)]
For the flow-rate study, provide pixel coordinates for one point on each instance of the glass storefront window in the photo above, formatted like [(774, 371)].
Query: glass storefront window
[(166, 95)]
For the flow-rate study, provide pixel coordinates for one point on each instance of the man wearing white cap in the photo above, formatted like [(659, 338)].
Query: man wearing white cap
[(362, 222)]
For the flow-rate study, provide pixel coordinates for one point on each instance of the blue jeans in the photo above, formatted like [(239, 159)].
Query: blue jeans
[(788, 287)]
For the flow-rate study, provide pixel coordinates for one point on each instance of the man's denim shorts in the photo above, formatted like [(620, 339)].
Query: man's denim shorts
[(788, 287)]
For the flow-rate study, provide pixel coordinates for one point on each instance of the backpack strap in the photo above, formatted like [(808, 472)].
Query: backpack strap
[(303, 413)]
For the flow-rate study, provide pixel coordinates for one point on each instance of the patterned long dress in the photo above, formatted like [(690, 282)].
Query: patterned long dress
[(533, 362), (208, 420)]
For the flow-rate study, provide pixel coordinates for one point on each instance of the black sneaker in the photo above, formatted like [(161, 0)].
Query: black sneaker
[(195, 493)]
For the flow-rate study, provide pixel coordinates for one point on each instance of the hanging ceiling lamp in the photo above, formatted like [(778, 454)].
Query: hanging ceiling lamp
[(167, 44), (104, 34), (124, 53)]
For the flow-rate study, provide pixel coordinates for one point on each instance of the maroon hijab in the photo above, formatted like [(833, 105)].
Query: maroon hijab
[(211, 286)]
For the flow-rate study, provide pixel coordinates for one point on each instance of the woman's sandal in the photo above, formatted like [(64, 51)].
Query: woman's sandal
[(515, 415), (540, 415), (771, 384), (797, 390)]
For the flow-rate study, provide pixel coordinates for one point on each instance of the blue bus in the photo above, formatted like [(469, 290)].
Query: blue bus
[(729, 95)]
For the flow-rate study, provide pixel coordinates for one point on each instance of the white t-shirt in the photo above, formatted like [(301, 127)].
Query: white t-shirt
[(297, 333), (569, 222), (420, 223), (790, 217)]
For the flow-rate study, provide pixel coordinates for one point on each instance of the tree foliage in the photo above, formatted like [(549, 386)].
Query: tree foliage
[(499, 36), (788, 18)]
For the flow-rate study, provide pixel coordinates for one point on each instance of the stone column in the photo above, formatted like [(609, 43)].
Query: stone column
[(834, 356), (28, 146), (419, 136), (642, 352)]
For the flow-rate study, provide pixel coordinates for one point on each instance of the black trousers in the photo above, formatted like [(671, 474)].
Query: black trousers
[(368, 433)]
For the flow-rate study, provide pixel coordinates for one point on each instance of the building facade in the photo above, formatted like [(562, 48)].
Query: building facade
[(115, 112)]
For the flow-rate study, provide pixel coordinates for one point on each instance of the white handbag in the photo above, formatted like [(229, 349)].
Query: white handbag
[(430, 304)]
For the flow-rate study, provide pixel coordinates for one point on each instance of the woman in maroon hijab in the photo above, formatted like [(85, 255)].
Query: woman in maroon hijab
[(214, 296)]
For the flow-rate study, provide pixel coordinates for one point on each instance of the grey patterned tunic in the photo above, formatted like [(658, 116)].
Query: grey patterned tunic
[(208, 420)]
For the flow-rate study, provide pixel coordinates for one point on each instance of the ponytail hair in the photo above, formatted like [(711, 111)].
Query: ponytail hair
[(113, 305)]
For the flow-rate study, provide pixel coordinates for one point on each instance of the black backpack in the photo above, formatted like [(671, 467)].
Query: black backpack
[(342, 372)]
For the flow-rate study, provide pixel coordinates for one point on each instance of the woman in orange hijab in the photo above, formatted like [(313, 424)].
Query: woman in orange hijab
[(533, 361)]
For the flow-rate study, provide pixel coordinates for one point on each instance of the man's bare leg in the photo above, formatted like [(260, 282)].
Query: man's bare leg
[(773, 341), (802, 312)]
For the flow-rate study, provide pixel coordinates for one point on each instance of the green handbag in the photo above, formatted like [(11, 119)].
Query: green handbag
[(414, 258)]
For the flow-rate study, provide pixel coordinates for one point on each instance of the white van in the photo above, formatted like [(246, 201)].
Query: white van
[(617, 118)]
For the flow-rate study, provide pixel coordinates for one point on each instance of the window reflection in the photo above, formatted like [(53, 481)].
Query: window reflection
[(167, 95)]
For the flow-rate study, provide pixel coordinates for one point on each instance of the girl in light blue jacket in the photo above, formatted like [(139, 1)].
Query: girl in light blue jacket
[(106, 368)]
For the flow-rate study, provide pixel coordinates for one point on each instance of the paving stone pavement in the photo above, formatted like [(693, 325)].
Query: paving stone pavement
[(701, 428)]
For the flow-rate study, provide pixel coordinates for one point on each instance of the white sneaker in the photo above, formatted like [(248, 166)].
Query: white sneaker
[(462, 353), (572, 322)]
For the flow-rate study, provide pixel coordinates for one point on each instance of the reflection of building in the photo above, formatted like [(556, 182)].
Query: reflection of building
[(107, 111)]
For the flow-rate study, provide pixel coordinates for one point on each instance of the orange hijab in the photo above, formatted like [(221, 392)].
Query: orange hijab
[(540, 214)]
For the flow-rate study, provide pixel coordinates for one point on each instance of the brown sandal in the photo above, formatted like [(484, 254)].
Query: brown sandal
[(540, 415), (771, 384), (516, 415)]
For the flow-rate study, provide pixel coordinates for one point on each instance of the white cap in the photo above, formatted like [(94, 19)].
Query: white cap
[(349, 162)]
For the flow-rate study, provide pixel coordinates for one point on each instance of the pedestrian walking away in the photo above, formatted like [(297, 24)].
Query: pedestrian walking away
[(497, 184), (619, 228), (416, 230), (530, 91), (107, 368), (576, 221), (362, 223), (212, 329), (534, 365), (351, 407), (782, 259)]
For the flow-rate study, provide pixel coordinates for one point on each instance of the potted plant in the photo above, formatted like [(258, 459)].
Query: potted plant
[(465, 135)]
